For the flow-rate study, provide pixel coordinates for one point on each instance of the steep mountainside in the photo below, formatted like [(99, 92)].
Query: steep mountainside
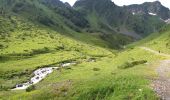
[(150, 8), (42, 12), (110, 24), (62, 18), (104, 14)]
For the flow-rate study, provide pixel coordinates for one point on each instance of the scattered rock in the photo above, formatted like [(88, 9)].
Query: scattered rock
[(39, 75), (162, 85)]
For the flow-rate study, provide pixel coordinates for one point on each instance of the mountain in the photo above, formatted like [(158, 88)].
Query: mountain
[(150, 8), (62, 18), (111, 25), (109, 16), (49, 13)]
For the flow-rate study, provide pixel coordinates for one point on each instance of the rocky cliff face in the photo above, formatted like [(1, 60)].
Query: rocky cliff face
[(150, 8)]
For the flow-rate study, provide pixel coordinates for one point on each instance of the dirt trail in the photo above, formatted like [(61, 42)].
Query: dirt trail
[(161, 85), (155, 52)]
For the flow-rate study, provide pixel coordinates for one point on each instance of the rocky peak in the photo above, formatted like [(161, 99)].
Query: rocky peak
[(94, 4), (67, 4), (157, 3), (150, 8)]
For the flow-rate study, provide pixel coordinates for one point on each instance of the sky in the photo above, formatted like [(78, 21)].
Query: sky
[(166, 3)]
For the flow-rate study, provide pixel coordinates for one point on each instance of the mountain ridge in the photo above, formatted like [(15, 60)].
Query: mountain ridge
[(152, 8), (110, 23), (116, 17)]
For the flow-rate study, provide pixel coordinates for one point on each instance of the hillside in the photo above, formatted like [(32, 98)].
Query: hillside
[(158, 41), (111, 26), (61, 18), (105, 15), (104, 78), (30, 46)]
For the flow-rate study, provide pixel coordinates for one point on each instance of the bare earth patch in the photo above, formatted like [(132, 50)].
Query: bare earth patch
[(162, 85)]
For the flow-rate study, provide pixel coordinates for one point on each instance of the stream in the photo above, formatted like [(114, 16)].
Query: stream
[(39, 75)]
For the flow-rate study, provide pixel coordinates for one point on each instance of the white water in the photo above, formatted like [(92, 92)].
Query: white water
[(39, 75), (153, 14), (67, 64)]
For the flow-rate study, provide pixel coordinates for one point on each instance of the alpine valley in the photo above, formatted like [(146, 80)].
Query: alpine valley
[(93, 50)]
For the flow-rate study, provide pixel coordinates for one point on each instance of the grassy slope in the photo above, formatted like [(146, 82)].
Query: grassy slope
[(161, 43), (42, 14), (88, 80), (109, 82), (157, 41), (83, 81), (30, 46)]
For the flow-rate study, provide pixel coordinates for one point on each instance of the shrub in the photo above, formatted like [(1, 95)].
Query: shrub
[(131, 64), (67, 68), (19, 5), (45, 21), (60, 48), (40, 51), (1, 46), (30, 88), (3, 88), (96, 69)]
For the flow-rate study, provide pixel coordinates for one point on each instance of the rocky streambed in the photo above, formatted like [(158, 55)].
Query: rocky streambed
[(39, 75)]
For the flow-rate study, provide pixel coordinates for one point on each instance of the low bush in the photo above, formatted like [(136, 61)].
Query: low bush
[(30, 88), (3, 88), (67, 68), (96, 69), (131, 64), (1, 46), (13, 74), (40, 51)]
